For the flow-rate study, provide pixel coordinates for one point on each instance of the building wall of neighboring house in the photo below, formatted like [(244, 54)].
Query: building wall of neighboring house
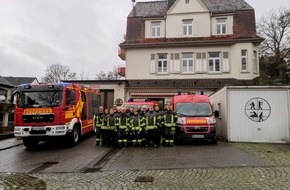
[(142, 63)]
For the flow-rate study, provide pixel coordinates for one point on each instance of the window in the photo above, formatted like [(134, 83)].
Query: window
[(186, 1), (70, 97), (255, 61), (155, 29), (221, 25), (187, 63), (187, 27), (244, 60), (214, 62), (162, 63)]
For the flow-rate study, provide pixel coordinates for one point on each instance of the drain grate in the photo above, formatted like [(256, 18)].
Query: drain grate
[(145, 179)]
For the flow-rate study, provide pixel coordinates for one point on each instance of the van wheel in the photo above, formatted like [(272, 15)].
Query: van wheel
[(30, 143), (75, 136)]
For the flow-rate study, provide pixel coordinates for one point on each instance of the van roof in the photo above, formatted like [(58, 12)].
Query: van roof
[(190, 98)]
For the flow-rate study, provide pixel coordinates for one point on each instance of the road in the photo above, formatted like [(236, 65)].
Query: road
[(56, 157)]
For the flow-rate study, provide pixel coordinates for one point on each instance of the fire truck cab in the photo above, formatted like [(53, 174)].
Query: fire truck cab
[(196, 119), (46, 111)]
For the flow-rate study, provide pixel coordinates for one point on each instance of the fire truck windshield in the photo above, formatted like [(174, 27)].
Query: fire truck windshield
[(39, 99), (193, 109)]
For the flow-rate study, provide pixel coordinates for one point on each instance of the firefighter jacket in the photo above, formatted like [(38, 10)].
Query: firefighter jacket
[(111, 122), (104, 123), (169, 118), (137, 123), (151, 120), (99, 119), (123, 121)]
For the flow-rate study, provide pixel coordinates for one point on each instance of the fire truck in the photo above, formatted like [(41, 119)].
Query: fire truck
[(140, 103), (196, 119), (60, 110)]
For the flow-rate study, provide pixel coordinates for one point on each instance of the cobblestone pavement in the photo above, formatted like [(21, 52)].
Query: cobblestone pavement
[(276, 176)]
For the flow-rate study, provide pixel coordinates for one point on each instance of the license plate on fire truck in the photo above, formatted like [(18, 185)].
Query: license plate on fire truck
[(37, 128), (198, 136)]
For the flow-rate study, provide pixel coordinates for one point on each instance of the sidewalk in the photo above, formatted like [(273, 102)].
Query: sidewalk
[(9, 141)]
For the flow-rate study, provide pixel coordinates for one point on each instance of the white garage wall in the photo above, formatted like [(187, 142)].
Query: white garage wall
[(274, 129)]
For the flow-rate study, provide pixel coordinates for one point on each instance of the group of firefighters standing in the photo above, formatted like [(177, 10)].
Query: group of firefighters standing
[(124, 126)]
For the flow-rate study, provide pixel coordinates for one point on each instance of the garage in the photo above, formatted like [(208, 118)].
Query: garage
[(253, 113)]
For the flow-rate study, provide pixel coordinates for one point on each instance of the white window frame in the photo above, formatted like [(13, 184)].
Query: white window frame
[(155, 29), (188, 63), (221, 26), (162, 63), (187, 27), (244, 60), (213, 62)]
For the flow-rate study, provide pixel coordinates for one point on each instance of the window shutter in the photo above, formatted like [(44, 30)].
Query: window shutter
[(152, 64), (174, 63), (226, 62), (198, 63), (204, 63)]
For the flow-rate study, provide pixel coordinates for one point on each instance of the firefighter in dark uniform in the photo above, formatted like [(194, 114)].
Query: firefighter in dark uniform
[(99, 122), (159, 130), (112, 129), (151, 122), (136, 127), (104, 129), (123, 123), (169, 120)]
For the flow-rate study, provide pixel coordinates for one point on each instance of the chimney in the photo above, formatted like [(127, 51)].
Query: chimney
[(170, 3), (133, 3)]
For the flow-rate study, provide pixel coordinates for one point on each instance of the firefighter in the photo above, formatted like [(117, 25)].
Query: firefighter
[(99, 122), (136, 127), (123, 123), (169, 120), (104, 129), (151, 122), (159, 130), (112, 129)]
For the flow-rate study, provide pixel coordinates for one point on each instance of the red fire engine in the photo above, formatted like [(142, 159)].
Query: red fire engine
[(196, 119), (61, 110)]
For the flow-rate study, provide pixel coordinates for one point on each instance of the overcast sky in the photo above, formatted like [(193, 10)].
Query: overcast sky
[(81, 34)]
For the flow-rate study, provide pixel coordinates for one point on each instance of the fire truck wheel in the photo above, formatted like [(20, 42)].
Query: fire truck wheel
[(214, 141), (75, 138), (30, 143)]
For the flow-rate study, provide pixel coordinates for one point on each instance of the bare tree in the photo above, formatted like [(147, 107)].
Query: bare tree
[(84, 75), (58, 72), (275, 28), (112, 75)]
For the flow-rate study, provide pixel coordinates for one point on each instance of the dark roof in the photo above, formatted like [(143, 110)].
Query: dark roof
[(5, 83), (188, 83), (149, 9), (20, 80), (225, 6), (159, 8)]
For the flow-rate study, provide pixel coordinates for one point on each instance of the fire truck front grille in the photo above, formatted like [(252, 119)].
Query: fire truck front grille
[(196, 129), (38, 118)]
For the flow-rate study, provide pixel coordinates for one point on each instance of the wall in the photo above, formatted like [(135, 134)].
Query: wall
[(138, 62), (255, 114)]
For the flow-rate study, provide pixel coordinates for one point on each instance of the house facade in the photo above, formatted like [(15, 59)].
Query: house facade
[(189, 45)]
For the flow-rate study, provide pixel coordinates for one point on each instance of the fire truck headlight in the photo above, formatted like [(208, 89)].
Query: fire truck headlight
[(210, 120), (181, 120)]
